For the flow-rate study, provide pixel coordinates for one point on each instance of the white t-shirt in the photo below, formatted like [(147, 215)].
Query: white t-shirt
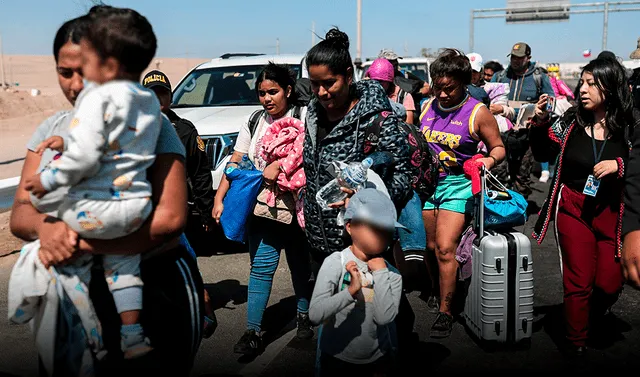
[(249, 145)]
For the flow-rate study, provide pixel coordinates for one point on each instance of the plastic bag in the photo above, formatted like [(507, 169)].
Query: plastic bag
[(245, 184)]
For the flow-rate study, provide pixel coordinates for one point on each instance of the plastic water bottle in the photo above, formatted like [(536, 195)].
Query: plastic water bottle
[(244, 164), (353, 177)]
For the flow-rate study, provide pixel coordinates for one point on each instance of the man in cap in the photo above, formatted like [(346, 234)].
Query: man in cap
[(528, 83), (198, 165)]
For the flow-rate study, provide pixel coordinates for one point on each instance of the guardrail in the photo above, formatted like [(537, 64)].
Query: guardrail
[(7, 191)]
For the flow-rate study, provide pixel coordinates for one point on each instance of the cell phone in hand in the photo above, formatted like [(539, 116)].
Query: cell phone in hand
[(551, 104)]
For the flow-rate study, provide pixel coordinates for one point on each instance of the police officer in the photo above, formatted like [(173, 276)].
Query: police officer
[(198, 165), (200, 184)]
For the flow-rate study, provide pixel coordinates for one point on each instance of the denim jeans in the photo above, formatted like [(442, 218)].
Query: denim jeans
[(544, 166), (411, 217), (266, 240)]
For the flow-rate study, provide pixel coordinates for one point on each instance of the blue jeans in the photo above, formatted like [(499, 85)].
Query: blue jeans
[(544, 166), (411, 217), (266, 240)]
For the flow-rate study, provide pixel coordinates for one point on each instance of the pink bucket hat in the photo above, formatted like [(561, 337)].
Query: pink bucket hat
[(381, 70)]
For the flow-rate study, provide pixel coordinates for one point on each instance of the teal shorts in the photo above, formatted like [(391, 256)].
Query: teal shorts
[(452, 194)]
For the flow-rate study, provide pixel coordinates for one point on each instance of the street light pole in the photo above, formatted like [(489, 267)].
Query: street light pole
[(278, 46), (359, 26), (471, 30), (605, 27), (313, 33)]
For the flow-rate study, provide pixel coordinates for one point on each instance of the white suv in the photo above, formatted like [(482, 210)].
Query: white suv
[(219, 96), (416, 66)]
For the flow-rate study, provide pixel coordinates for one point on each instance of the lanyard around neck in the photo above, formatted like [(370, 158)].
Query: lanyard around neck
[(597, 155)]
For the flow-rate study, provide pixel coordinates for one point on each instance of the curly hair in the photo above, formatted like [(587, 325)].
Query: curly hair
[(451, 63)]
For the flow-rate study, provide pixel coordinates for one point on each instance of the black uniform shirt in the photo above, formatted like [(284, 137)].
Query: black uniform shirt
[(198, 167)]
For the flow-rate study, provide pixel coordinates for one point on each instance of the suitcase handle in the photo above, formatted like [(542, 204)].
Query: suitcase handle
[(480, 213)]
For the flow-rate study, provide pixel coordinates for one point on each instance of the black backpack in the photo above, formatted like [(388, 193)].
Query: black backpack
[(423, 158), (303, 92), (255, 118)]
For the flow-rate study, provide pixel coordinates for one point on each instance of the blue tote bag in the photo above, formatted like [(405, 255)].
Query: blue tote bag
[(245, 182)]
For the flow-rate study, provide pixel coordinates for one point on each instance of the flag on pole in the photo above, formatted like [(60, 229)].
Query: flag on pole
[(586, 53)]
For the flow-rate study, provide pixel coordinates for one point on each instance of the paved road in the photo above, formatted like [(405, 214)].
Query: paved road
[(226, 277)]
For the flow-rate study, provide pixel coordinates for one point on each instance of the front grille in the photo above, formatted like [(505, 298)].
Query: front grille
[(218, 148)]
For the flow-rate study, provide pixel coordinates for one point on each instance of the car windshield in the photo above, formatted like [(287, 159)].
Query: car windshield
[(419, 70), (223, 86)]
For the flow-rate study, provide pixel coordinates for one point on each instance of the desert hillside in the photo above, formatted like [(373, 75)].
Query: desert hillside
[(21, 113)]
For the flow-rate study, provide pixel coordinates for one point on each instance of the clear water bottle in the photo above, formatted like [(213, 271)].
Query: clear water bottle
[(352, 177), (244, 164)]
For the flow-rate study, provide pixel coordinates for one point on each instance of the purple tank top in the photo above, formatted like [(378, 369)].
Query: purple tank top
[(450, 133)]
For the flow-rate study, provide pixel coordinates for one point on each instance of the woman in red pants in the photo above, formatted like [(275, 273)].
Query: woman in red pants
[(591, 141)]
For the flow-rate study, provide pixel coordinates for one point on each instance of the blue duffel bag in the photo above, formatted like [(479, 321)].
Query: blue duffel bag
[(502, 207)]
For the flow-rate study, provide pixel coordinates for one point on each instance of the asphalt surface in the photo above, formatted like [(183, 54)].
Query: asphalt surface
[(226, 277), (619, 350)]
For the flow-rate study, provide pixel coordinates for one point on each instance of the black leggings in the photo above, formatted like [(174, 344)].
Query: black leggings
[(172, 317)]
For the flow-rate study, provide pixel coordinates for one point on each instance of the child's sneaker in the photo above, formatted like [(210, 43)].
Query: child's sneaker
[(137, 350), (134, 343), (305, 331), (544, 176), (250, 344)]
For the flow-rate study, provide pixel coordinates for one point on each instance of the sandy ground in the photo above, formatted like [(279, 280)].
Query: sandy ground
[(8, 243), (20, 113)]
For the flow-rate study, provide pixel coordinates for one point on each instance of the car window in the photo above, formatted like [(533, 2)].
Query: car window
[(223, 86), (419, 70)]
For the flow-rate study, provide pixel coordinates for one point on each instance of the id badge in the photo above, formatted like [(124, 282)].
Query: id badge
[(591, 187)]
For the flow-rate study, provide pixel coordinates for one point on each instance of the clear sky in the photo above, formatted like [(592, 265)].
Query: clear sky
[(209, 28)]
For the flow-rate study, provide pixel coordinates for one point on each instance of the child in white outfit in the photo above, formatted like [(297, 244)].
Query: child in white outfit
[(111, 145)]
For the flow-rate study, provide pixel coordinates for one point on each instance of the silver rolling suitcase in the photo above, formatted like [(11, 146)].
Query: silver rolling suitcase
[(499, 303)]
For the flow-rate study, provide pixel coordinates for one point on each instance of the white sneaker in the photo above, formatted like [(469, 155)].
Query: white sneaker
[(544, 176)]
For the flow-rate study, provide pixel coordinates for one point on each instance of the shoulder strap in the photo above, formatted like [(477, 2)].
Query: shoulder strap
[(401, 95), (297, 112), (372, 134), (254, 120), (537, 77), (501, 75)]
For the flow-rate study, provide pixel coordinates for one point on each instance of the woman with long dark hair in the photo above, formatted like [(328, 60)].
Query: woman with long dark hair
[(275, 87), (172, 282), (592, 140)]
